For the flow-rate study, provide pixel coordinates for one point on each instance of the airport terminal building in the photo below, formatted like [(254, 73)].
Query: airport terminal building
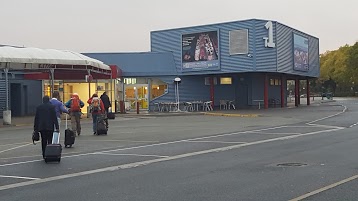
[(245, 62)]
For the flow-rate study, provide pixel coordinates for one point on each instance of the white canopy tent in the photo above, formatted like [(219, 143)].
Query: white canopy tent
[(24, 59), (10, 55)]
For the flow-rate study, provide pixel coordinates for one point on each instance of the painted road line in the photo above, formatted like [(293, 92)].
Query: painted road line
[(14, 148), (13, 144), (146, 155), (325, 188), (150, 145), (17, 177), (148, 162), (276, 133), (344, 110), (120, 141), (230, 115), (219, 142)]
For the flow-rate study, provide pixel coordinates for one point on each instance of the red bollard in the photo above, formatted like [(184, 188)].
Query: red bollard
[(137, 107), (121, 107)]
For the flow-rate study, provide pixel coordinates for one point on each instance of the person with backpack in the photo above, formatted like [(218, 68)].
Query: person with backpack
[(97, 108), (75, 104)]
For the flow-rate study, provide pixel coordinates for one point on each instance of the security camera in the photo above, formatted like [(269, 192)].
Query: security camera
[(249, 55)]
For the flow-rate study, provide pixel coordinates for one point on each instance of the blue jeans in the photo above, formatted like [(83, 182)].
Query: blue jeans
[(94, 120)]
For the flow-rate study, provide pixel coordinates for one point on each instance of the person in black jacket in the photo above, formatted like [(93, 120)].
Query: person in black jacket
[(46, 122), (106, 103)]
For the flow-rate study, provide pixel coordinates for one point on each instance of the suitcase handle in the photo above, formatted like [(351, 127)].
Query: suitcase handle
[(66, 120)]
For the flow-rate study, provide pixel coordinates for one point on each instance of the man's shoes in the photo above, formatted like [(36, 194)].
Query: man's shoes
[(94, 133)]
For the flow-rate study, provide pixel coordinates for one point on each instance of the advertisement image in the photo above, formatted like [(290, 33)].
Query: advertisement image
[(200, 51), (300, 53)]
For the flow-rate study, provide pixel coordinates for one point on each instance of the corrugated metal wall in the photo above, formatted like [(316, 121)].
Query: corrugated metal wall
[(191, 88), (2, 96), (285, 52), (29, 104), (265, 58), (170, 41)]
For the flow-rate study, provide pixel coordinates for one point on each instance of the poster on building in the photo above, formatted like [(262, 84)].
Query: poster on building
[(300, 53), (200, 51)]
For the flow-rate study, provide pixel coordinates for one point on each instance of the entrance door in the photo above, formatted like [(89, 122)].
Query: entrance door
[(241, 95), (15, 99), (134, 91)]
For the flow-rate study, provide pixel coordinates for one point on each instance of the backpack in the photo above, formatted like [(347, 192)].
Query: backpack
[(75, 104), (96, 105)]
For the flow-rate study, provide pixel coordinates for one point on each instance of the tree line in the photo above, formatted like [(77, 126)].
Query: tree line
[(339, 72)]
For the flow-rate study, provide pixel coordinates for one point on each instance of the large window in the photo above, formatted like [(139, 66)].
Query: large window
[(159, 88)]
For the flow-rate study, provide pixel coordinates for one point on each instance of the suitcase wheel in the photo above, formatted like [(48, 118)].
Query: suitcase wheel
[(59, 160), (46, 161)]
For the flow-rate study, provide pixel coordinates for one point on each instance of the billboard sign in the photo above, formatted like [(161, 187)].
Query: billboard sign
[(200, 51), (300, 53)]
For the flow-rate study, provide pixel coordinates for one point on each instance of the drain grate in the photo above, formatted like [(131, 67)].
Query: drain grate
[(291, 164)]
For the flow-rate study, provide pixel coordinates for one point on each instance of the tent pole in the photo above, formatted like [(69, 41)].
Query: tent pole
[(6, 70), (52, 72), (89, 83)]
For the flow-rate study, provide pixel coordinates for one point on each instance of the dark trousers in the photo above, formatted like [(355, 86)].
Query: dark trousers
[(46, 138)]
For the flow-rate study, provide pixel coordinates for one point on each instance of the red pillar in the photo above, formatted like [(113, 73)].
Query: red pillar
[(308, 92), (266, 92), (296, 92), (212, 91), (282, 92)]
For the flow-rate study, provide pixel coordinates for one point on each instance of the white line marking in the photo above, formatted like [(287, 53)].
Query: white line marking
[(119, 141), (325, 188), (344, 110), (133, 155), (13, 144), (150, 145), (219, 142), (148, 162), (325, 126), (17, 177), (276, 133), (14, 148)]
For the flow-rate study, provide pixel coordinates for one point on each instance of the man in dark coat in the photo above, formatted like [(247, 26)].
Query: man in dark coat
[(45, 122), (105, 100)]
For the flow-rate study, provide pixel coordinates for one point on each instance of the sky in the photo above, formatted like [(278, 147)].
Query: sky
[(125, 25)]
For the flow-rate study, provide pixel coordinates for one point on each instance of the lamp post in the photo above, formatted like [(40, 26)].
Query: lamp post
[(177, 80)]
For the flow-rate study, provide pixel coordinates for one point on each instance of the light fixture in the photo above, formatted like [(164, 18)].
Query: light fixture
[(158, 88), (145, 88), (134, 88)]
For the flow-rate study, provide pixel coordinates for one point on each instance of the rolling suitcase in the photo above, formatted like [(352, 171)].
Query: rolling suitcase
[(69, 136), (110, 114), (101, 125), (53, 151)]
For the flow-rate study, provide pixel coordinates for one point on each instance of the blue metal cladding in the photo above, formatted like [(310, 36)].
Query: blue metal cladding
[(139, 64), (2, 96), (191, 88), (171, 41), (285, 52), (278, 59), (265, 57)]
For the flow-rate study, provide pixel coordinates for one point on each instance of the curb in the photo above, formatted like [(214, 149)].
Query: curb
[(231, 115)]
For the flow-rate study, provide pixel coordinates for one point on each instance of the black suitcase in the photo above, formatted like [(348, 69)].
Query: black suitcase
[(111, 115), (53, 151), (101, 125), (69, 136)]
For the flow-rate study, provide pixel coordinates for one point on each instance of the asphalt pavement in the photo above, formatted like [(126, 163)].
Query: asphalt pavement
[(304, 153)]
